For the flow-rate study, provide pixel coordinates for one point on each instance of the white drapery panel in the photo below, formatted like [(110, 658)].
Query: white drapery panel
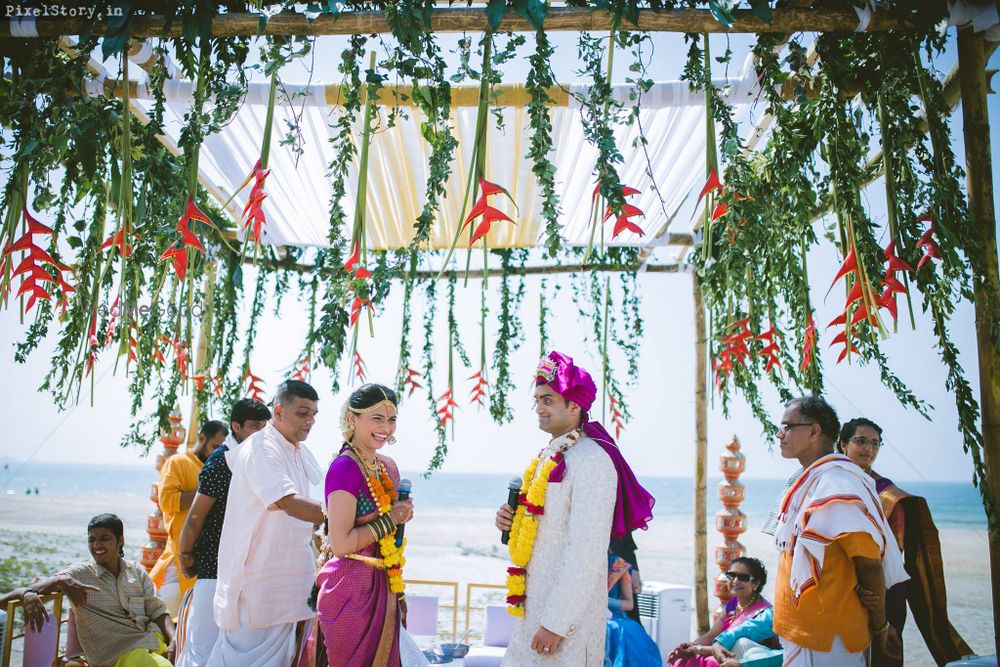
[(299, 188)]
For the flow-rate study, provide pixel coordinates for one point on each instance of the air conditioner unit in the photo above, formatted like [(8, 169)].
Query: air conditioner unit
[(665, 613)]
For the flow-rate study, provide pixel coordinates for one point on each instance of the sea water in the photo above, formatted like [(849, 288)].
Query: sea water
[(952, 504)]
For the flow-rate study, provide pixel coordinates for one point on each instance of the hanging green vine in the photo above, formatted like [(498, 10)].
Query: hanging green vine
[(538, 82), (509, 334)]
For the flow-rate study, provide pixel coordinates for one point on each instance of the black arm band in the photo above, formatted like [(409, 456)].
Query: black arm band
[(383, 526)]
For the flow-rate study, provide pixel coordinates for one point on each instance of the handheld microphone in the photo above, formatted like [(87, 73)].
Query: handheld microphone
[(513, 492), (404, 493)]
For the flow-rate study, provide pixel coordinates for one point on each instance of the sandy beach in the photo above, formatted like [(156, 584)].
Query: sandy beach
[(40, 534)]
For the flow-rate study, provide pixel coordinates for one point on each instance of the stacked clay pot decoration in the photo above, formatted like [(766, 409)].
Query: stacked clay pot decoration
[(729, 521), (154, 522)]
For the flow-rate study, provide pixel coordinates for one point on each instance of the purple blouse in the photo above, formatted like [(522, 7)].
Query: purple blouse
[(344, 474)]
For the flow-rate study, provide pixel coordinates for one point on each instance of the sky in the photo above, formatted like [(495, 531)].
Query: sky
[(660, 438)]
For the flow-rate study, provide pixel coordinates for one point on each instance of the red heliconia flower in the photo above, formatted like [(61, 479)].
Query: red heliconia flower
[(623, 224), (217, 384), (720, 210), (92, 345), (302, 373), (31, 268), (723, 366), (192, 212), (178, 257), (199, 382), (356, 307), (848, 347), (740, 197), (446, 411), (255, 389), (133, 345), (623, 221), (616, 415), (850, 265), (895, 263), (478, 393), (488, 188), (926, 241), (253, 212), (892, 286), (178, 253), (713, 183), (628, 211), (354, 258), (888, 301), (353, 265), (842, 339), (411, 381), (157, 355), (109, 334), (182, 359), (735, 351), (808, 343), (119, 240), (360, 369), (488, 213), (769, 351)]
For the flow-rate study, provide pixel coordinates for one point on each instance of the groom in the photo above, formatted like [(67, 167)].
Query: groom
[(590, 496)]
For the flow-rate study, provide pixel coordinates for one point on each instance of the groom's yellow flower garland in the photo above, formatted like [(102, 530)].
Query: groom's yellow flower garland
[(530, 506)]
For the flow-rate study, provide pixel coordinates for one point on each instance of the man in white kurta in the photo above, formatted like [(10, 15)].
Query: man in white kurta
[(590, 495), (266, 565)]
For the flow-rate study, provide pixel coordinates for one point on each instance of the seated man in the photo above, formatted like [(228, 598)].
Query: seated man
[(122, 623)]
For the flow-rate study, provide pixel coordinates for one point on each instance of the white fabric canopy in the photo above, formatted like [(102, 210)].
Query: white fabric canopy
[(299, 187)]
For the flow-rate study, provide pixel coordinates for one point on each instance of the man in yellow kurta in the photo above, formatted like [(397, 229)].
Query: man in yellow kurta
[(833, 537), (178, 484)]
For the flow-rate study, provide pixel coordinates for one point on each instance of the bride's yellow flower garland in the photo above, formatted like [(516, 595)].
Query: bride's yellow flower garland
[(530, 506), (383, 491)]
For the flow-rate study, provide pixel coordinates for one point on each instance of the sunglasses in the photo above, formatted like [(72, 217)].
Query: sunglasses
[(740, 576)]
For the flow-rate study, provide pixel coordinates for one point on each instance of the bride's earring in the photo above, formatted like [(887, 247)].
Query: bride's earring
[(392, 440)]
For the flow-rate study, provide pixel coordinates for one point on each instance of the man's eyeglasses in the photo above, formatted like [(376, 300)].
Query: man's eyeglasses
[(785, 428), (740, 576), (862, 441)]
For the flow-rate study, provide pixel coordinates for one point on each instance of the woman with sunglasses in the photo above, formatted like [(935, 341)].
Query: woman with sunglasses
[(909, 517), (743, 632)]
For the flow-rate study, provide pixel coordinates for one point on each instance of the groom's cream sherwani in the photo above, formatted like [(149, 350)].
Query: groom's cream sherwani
[(567, 582)]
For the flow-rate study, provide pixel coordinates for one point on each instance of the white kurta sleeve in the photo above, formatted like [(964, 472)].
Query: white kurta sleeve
[(585, 557), (266, 474)]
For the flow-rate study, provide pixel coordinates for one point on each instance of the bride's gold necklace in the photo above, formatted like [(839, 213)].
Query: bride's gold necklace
[(369, 468)]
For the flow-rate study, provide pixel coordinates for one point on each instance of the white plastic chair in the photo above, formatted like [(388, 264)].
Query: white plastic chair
[(422, 615), (496, 635), (40, 647)]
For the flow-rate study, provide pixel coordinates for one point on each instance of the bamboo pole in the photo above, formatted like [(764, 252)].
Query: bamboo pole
[(700, 460), (204, 332), (473, 19), (544, 270), (979, 178)]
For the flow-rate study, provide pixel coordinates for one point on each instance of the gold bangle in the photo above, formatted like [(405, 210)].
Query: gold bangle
[(884, 628), (373, 531)]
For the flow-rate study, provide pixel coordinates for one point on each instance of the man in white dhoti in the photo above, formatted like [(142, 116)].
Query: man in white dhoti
[(576, 494), (265, 566), (833, 538), (199, 541)]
